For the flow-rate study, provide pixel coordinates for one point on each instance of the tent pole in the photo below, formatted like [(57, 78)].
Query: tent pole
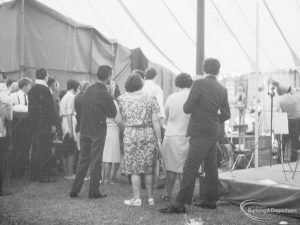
[(256, 86), (200, 36), (23, 38), (91, 55)]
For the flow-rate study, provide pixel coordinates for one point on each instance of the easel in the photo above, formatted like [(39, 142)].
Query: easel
[(281, 128)]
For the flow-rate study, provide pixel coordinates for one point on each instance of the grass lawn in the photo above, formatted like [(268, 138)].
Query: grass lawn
[(35, 203)]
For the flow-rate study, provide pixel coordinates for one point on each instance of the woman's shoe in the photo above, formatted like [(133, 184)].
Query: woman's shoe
[(165, 197), (134, 202), (151, 201)]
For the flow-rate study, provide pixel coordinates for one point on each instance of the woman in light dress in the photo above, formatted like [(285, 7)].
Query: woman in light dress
[(142, 137), (175, 144), (112, 152)]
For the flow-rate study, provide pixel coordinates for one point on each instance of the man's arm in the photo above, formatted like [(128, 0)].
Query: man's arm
[(49, 107), (225, 111), (193, 98), (110, 107), (159, 95)]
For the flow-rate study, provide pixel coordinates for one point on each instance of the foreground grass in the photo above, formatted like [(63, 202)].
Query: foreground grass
[(35, 203)]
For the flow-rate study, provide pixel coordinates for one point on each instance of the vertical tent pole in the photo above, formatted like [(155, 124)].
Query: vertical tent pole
[(23, 38), (200, 36), (91, 54), (256, 85)]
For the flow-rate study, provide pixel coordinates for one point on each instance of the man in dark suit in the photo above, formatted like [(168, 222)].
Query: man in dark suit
[(97, 106), (41, 123), (208, 105)]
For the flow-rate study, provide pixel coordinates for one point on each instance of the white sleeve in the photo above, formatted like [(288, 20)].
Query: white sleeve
[(14, 98)]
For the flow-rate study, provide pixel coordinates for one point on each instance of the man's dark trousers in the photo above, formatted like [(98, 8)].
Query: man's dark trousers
[(3, 150), (201, 148), (41, 156), (91, 151)]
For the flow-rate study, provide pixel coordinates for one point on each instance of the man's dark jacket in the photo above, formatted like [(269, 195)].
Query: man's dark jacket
[(40, 110), (97, 106), (208, 105)]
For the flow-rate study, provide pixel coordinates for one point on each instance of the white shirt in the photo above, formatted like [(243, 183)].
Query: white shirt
[(19, 100), (289, 103), (67, 108), (154, 90), (41, 82), (177, 120)]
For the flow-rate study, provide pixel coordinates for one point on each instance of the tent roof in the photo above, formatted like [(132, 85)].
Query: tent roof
[(157, 30)]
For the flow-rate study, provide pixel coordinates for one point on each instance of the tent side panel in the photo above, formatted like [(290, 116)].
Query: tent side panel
[(10, 19)]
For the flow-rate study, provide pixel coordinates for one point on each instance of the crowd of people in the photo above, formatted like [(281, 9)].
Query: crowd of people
[(97, 129)]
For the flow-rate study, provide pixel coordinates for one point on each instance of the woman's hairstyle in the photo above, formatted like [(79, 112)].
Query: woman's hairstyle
[(51, 81), (151, 73), (211, 66), (24, 82), (14, 87), (84, 86), (183, 80), (72, 84), (139, 72), (133, 83)]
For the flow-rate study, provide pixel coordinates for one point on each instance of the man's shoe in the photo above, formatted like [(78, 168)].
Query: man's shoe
[(207, 205), (73, 195), (171, 209), (98, 195)]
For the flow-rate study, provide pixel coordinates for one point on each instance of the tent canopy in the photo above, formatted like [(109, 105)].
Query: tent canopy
[(169, 26), (65, 47)]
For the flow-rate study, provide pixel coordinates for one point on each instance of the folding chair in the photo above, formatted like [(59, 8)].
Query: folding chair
[(242, 157), (242, 154)]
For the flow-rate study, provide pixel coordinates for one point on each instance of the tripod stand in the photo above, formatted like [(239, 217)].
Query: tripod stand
[(271, 93)]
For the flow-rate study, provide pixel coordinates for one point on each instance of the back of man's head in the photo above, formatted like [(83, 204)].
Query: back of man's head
[(150, 74), (104, 72), (41, 74), (211, 66)]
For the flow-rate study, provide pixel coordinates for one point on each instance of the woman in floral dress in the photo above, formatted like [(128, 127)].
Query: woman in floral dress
[(141, 136)]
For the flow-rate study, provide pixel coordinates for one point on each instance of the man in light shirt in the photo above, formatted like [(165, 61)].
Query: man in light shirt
[(20, 139), (154, 90), (289, 102), (20, 98)]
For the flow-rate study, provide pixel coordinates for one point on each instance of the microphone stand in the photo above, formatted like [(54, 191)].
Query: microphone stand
[(271, 92)]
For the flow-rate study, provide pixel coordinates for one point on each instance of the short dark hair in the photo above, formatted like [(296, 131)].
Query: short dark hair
[(133, 83), (150, 74), (41, 74), (211, 66), (24, 82), (183, 80), (72, 84), (104, 72), (140, 72), (51, 81)]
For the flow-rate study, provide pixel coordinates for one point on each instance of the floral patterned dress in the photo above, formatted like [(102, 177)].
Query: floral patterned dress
[(139, 138)]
